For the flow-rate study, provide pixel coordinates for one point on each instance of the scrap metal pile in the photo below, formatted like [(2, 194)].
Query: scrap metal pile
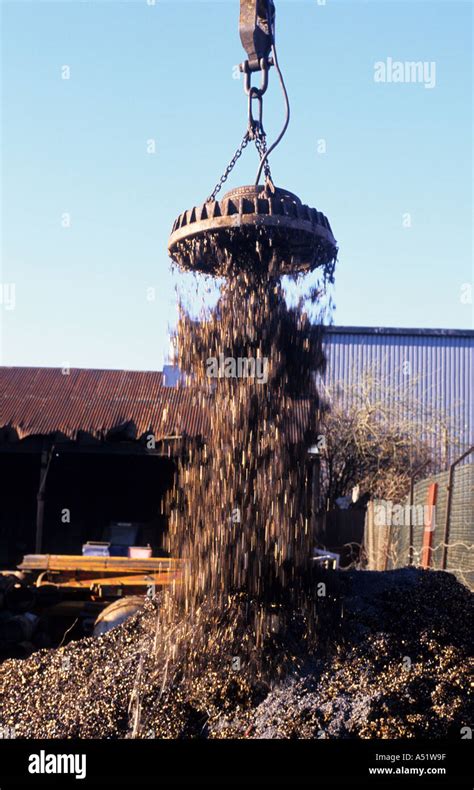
[(397, 665)]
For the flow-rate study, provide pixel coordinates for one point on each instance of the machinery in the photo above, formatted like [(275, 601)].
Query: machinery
[(99, 578), (51, 597), (260, 228)]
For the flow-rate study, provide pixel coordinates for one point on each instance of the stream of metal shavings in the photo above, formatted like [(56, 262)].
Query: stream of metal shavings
[(241, 517)]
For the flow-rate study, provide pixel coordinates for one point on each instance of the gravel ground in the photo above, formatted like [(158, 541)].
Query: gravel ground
[(397, 665)]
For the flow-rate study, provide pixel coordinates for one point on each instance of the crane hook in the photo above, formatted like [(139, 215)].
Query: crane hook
[(257, 20)]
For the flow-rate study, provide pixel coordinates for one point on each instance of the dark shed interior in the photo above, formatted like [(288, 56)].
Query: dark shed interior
[(86, 490)]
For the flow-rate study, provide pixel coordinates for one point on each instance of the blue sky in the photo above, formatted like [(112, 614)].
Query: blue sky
[(165, 72)]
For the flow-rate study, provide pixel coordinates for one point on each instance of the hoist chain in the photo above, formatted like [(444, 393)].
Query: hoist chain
[(256, 133), (255, 130), (261, 146), (229, 167), (257, 32)]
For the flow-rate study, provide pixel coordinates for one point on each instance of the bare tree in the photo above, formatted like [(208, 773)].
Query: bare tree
[(379, 434)]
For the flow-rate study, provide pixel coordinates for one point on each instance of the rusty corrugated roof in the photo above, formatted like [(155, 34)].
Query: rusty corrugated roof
[(45, 400)]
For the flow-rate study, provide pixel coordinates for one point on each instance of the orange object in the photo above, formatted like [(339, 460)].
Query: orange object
[(430, 524)]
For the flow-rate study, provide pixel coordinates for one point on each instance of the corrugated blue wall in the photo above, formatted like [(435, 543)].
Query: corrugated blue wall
[(432, 367)]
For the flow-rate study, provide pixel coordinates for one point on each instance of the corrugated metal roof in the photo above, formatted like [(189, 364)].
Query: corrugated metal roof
[(45, 400), (390, 330)]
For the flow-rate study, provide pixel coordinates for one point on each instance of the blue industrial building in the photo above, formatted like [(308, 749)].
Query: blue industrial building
[(430, 370)]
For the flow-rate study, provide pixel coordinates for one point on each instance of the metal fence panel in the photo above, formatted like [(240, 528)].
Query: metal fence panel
[(388, 545)]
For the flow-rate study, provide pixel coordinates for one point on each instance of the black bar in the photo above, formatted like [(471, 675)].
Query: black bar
[(253, 763)]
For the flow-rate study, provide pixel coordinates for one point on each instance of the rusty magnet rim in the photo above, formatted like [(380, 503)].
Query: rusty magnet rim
[(291, 236)]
